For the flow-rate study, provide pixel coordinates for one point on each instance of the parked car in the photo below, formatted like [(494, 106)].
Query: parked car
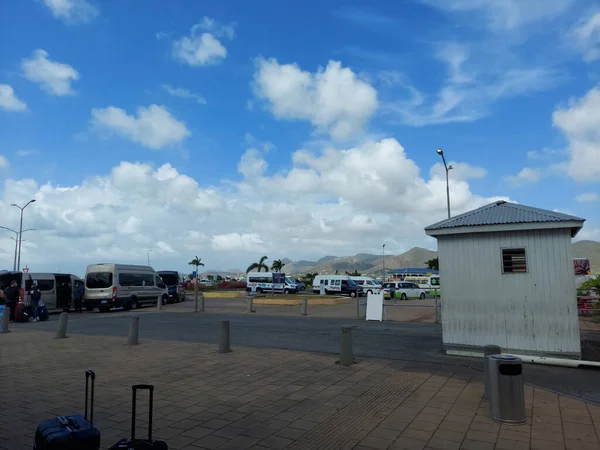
[(368, 285), (175, 285), (403, 290), (299, 283)]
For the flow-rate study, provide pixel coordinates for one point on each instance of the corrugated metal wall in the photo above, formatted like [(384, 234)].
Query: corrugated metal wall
[(534, 311)]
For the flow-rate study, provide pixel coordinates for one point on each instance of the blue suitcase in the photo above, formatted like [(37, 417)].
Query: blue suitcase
[(141, 444), (73, 432)]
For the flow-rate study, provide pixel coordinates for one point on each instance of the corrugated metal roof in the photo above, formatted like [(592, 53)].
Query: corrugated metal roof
[(502, 213)]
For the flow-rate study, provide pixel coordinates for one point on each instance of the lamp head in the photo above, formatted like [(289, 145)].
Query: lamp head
[(440, 151), (450, 167), (32, 201)]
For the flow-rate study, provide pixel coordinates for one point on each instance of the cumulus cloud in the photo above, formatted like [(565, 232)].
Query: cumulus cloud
[(72, 11), (580, 123), (333, 98), (54, 77), (527, 175), (3, 162), (334, 201), (153, 126), (202, 47), (8, 99)]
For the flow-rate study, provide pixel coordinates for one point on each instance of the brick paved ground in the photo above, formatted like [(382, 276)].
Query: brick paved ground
[(271, 399)]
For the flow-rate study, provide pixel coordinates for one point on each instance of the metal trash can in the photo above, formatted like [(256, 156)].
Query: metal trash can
[(487, 351), (506, 389)]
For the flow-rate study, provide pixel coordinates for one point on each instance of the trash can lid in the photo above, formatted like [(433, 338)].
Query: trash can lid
[(504, 357)]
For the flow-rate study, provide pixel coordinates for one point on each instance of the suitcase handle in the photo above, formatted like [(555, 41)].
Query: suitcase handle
[(135, 388), (89, 374)]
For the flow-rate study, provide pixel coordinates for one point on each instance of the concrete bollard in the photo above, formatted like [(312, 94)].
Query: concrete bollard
[(134, 330), (304, 306), (4, 325), (346, 355), (201, 298), (487, 351), (159, 304), (250, 304), (224, 342), (61, 331)]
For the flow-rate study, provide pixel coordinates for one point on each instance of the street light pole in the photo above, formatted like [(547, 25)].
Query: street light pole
[(448, 168), (149, 256), (21, 229), (383, 261), (16, 242)]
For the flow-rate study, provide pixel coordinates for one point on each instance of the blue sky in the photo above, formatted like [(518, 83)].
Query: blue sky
[(323, 118)]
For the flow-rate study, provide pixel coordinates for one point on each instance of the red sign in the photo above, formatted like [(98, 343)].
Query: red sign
[(26, 269)]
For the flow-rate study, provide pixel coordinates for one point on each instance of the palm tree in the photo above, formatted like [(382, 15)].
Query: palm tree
[(258, 266), (277, 265), (196, 262)]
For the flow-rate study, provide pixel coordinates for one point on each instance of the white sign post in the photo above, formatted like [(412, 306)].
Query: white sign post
[(375, 307)]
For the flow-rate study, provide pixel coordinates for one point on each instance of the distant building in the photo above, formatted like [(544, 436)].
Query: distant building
[(508, 280)]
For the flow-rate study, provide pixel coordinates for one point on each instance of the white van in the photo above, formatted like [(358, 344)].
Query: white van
[(263, 282), (117, 285), (425, 282), (368, 284), (56, 289), (336, 284)]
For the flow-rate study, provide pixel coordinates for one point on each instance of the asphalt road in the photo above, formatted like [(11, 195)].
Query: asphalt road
[(403, 341)]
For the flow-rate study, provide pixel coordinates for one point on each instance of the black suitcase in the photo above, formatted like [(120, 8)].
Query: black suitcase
[(73, 432), (141, 444)]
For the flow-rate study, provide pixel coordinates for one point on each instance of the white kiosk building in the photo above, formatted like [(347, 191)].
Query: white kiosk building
[(507, 279)]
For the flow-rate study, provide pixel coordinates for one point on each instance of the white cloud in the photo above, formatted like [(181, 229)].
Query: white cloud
[(503, 15), (54, 77), (184, 93), (24, 153), (333, 201), (580, 122), (248, 242), (588, 197), (472, 84), (153, 126), (3, 162), (586, 36), (547, 154), (527, 175), (333, 99), (72, 11), (8, 99), (202, 47), (459, 171)]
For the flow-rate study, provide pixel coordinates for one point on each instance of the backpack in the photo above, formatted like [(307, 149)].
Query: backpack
[(42, 312)]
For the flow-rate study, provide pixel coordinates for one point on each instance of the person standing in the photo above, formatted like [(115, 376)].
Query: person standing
[(36, 296), (12, 298), (78, 296)]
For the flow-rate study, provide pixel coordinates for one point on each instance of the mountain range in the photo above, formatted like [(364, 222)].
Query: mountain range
[(366, 263)]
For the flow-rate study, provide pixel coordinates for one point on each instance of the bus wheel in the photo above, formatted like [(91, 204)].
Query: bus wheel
[(286, 292), (259, 291), (422, 296), (89, 308), (403, 296), (352, 294)]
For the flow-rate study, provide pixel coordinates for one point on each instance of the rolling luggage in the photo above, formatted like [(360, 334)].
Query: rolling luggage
[(23, 312), (141, 444), (73, 432)]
